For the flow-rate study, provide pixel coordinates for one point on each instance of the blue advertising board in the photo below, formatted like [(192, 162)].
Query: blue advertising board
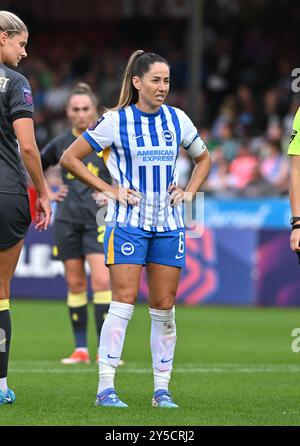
[(231, 263)]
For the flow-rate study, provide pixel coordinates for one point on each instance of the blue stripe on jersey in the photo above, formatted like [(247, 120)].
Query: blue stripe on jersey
[(175, 121), (139, 137), (142, 189), (142, 174), (156, 194), (164, 124), (168, 175), (152, 131), (156, 178), (125, 146), (92, 142), (176, 124)]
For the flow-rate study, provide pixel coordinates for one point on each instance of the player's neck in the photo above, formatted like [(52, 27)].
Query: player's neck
[(145, 108)]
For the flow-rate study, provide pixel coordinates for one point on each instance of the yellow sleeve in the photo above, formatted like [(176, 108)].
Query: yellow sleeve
[(294, 146)]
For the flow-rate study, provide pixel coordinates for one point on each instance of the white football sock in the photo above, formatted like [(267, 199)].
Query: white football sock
[(111, 342), (162, 342), (3, 384)]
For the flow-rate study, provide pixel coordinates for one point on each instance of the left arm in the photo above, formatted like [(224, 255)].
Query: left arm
[(71, 160), (200, 172), (195, 148)]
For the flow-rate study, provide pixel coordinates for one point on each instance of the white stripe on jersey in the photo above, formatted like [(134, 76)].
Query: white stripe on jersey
[(144, 156)]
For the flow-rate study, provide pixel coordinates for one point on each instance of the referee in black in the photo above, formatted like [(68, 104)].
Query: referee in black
[(17, 145), (77, 236)]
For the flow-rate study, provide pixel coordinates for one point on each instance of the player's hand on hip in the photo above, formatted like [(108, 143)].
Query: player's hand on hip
[(295, 240), (100, 198), (43, 214), (133, 197), (123, 195), (177, 195)]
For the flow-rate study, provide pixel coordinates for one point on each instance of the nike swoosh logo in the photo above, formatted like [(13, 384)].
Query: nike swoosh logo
[(112, 357), (8, 399), (179, 257), (165, 360), (3, 341), (139, 136)]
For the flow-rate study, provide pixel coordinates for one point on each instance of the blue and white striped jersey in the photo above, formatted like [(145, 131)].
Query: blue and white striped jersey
[(141, 152)]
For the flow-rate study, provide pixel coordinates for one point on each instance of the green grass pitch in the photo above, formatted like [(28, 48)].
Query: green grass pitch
[(233, 366)]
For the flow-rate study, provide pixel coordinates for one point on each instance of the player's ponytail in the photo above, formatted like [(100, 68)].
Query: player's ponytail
[(11, 24), (83, 88), (128, 93), (138, 64)]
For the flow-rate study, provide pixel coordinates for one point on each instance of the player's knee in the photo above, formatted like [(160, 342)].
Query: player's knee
[(76, 284), (163, 302)]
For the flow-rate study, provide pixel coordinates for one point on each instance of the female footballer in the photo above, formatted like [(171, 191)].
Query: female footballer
[(140, 141), (16, 131), (77, 236)]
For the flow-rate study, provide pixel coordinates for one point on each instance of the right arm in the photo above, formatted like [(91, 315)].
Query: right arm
[(71, 160), (24, 131)]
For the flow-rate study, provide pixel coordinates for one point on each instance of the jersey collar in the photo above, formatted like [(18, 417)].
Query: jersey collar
[(133, 106)]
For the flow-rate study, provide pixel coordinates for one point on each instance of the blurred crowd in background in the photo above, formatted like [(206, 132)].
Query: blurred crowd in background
[(246, 102)]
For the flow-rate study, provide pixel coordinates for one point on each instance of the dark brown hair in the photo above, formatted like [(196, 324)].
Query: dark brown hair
[(138, 64)]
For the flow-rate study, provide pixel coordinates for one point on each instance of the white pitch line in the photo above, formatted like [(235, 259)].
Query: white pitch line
[(281, 369), (138, 365)]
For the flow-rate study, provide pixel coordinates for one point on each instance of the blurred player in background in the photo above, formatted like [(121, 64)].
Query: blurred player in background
[(77, 237), (16, 132), (140, 141), (294, 151)]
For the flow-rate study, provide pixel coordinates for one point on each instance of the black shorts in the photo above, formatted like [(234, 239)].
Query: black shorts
[(15, 219), (75, 240)]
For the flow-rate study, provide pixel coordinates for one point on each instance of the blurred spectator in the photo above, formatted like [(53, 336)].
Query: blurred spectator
[(275, 167), (241, 168), (258, 186), (246, 112), (246, 80), (228, 142), (220, 181), (57, 95)]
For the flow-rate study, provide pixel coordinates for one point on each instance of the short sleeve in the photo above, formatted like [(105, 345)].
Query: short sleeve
[(189, 131), (20, 99), (294, 146), (101, 134)]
